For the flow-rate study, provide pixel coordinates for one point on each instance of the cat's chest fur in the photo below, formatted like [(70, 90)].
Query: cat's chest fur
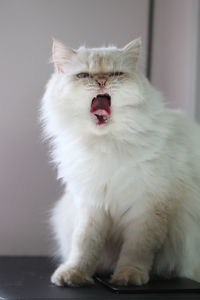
[(109, 177)]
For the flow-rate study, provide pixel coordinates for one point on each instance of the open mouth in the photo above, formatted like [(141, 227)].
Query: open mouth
[(100, 108)]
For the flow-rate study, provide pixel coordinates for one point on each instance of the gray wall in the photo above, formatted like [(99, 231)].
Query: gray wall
[(176, 52), (28, 186), (197, 111)]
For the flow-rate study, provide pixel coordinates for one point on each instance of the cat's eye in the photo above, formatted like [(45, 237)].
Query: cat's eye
[(116, 74), (83, 75)]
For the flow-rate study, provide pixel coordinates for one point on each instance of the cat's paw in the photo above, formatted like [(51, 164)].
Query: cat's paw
[(65, 275), (130, 276)]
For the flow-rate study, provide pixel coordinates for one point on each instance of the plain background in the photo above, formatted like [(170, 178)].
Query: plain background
[(28, 186)]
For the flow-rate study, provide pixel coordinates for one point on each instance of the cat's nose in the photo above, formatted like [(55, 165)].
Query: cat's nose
[(101, 82)]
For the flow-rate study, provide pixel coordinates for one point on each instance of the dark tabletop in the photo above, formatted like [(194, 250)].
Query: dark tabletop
[(29, 278)]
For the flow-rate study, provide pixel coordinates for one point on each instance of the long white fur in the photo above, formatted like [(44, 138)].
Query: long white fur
[(132, 199)]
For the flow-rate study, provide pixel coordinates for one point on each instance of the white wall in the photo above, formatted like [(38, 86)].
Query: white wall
[(28, 185), (175, 52)]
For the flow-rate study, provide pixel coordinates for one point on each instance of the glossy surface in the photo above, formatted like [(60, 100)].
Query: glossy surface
[(28, 278)]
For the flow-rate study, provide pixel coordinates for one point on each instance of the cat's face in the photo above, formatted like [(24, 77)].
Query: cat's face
[(93, 89)]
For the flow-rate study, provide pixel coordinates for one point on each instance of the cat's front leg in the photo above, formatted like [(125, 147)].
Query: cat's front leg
[(142, 238), (87, 242)]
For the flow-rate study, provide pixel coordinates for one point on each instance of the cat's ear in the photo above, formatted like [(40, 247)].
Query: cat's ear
[(133, 49), (62, 56)]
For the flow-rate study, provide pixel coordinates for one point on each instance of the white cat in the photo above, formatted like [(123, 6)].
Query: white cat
[(131, 168)]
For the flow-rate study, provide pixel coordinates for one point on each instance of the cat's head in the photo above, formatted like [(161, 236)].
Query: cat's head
[(93, 90)]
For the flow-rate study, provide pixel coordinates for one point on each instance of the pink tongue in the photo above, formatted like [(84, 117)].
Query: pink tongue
[(100, 106)]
